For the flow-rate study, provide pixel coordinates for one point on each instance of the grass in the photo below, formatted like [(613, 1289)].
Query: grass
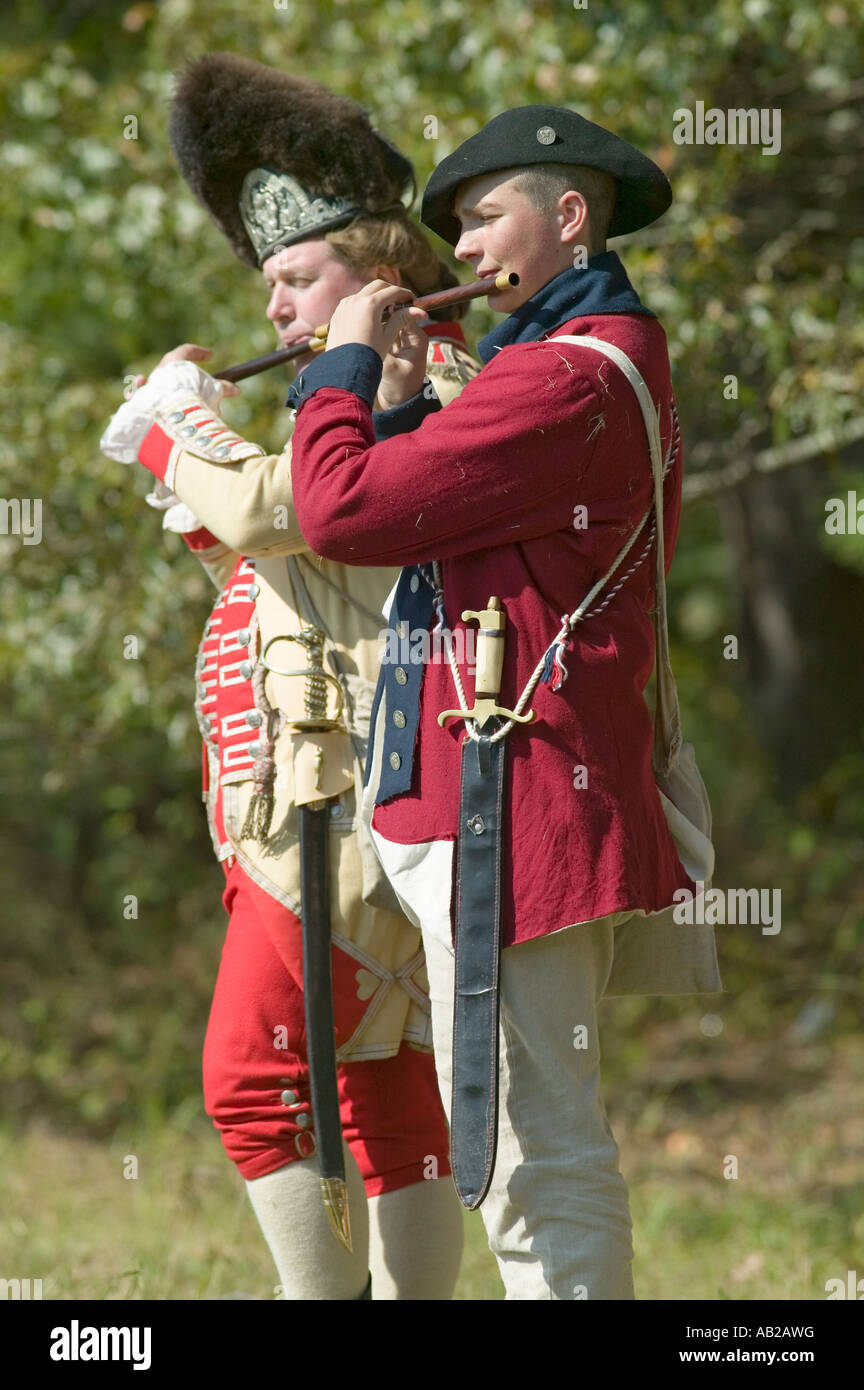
[(792, 1218)]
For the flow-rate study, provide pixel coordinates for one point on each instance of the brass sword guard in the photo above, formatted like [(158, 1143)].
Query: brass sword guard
[(490, 662), (317, 679)]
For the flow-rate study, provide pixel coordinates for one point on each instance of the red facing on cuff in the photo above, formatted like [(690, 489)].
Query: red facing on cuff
[(202, 539), (155, 451)]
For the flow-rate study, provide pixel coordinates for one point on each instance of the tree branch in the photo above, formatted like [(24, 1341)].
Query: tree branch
[(709, 484)]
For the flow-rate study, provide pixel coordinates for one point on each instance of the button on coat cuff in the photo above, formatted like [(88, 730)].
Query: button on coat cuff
[(407, 416), (351, 367)]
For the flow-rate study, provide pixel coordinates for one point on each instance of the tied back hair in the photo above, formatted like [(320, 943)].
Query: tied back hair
[(393, 238)]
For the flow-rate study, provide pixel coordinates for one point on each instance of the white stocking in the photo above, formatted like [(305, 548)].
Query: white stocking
[(311, 1262), (415, 1241)]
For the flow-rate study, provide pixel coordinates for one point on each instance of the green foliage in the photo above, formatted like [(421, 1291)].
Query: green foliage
[(108, 262)]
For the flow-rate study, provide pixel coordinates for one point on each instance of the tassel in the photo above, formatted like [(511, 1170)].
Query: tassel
[(555, 672), (256, 826)]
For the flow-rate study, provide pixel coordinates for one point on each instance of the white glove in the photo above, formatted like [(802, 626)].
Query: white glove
[(175, 381)]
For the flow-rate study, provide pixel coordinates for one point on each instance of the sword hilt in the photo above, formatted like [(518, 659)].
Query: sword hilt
[(316, 679), (490, 646), (490, 663)]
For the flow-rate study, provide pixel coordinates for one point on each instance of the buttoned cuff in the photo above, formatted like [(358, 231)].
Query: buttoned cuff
[(401, 419), (351, 367)]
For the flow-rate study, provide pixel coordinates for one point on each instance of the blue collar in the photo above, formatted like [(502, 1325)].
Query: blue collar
[(601, 288)]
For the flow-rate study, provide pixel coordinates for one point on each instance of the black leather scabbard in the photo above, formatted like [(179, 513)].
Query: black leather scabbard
[(318, 999), (474, 1115)]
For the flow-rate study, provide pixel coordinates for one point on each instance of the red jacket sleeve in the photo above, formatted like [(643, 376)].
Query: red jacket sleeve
[(506, 461)]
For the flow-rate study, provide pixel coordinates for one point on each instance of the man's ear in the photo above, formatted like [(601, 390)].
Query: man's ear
[(391, 273), (573, 211)]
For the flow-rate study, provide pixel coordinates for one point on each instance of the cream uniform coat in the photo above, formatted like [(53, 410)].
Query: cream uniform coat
[(248, 506)]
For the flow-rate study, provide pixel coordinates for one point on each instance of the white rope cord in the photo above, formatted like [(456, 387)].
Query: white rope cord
[(567, 622)]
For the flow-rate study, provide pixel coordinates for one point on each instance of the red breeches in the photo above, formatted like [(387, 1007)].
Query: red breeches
[(256, 1076)]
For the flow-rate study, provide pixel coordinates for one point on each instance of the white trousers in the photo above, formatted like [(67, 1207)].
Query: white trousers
[(557, 1213)]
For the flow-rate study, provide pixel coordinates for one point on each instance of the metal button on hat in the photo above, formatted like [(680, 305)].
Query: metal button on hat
[(395, 761), (546, 135)]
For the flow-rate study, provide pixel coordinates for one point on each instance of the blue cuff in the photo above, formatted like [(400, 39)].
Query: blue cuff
[(352, 367), (407, 416)]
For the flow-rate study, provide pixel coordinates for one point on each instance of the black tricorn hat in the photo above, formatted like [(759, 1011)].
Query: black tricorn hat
[(548, 135), (276, 158)]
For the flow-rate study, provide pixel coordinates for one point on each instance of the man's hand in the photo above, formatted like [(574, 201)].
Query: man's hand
[(192, 352), (359, 318), (404, 368), (189, 352)]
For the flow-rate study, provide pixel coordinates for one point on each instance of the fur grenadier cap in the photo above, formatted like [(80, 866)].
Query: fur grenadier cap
[(530, 135), (276, 158)]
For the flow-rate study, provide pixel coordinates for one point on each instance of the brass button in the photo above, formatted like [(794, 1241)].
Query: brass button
[(399, 718), (395, 761), (401, 675)]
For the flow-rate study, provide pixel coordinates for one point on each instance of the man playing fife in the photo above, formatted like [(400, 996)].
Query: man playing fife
[(306, 191), (504, 509)]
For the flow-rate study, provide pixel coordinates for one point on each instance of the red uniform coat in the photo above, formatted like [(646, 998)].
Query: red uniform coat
[(490, 486)]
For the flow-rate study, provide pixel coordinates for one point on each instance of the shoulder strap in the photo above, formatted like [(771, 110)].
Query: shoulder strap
[(667, 714)]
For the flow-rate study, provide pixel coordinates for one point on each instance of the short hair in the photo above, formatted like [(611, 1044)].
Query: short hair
[(544, 184), (392, 237)]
